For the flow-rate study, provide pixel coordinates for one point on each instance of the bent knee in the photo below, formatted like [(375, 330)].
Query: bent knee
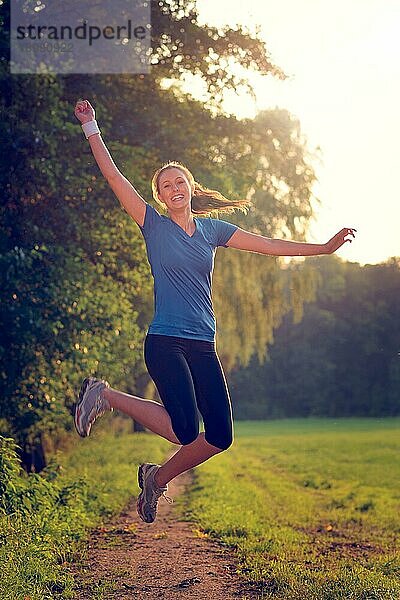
[(222, 442), (187, 436)]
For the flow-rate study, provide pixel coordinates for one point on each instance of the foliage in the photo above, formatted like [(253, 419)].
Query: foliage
[(76, 296), (44, 519), (68, 298), (180, 46), (341, 359)]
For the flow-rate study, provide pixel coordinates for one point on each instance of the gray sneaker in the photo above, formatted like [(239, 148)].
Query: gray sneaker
[(148, 498), (90, 405)]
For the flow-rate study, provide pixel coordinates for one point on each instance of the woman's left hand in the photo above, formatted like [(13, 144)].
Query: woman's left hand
[(339, 239)]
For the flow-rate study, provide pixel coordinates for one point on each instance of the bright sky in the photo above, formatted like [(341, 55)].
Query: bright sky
[(343, 59)]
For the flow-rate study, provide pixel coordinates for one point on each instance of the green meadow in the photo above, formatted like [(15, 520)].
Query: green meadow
[(311, 506)]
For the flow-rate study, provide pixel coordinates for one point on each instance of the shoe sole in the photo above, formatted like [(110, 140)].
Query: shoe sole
[(140, 477), (82, 391), (139, 500), (139, 511)]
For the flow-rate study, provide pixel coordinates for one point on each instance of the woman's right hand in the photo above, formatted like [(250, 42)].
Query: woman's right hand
[(84, 111)]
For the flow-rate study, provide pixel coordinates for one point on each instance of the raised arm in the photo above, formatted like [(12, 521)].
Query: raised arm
[(252, 242), (130, 199)]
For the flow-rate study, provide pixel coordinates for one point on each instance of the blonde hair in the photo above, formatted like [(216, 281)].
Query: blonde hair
[(204, 200)]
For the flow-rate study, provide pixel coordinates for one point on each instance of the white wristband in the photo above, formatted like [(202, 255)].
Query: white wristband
[(90, 128)]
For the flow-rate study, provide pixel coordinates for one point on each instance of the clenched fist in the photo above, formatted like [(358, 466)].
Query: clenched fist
[(84, 111)]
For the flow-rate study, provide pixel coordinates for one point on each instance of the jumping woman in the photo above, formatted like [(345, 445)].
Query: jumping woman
[(179, 348)]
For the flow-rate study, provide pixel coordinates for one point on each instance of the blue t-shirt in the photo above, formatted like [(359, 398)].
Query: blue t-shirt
[(182, 267)]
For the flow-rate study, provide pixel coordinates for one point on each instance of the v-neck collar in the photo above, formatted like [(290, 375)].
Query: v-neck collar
[(185, 232)]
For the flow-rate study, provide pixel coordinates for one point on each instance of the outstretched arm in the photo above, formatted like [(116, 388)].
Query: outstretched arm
[(252, 242), (130, 199)]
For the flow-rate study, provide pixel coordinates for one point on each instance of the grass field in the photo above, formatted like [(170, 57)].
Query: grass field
[(312, 507), (49, 515)]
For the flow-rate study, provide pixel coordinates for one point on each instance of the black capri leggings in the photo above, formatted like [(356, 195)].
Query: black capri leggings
[(189, 375)]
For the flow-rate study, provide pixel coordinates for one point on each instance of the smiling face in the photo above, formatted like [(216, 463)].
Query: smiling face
[(174, 189)]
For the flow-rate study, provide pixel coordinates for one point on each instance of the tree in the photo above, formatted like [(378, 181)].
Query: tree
[(77, 290), (341, 359)]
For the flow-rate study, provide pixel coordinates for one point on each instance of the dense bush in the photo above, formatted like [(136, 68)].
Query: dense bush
[(44, 518)]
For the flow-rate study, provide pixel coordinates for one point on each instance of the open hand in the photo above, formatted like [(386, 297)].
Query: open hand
[(339, 239), (84, 111)]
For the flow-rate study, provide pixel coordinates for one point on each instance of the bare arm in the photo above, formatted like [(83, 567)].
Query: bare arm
[(252, 242), (130, 199)]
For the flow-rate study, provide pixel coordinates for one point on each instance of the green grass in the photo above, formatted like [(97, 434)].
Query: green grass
[(312, 507), (47, 517)]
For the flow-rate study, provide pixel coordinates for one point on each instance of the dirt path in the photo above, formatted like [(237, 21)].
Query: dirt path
[(166, 559)]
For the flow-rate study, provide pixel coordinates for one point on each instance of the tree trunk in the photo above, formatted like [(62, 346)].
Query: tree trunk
[(32, 455)]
